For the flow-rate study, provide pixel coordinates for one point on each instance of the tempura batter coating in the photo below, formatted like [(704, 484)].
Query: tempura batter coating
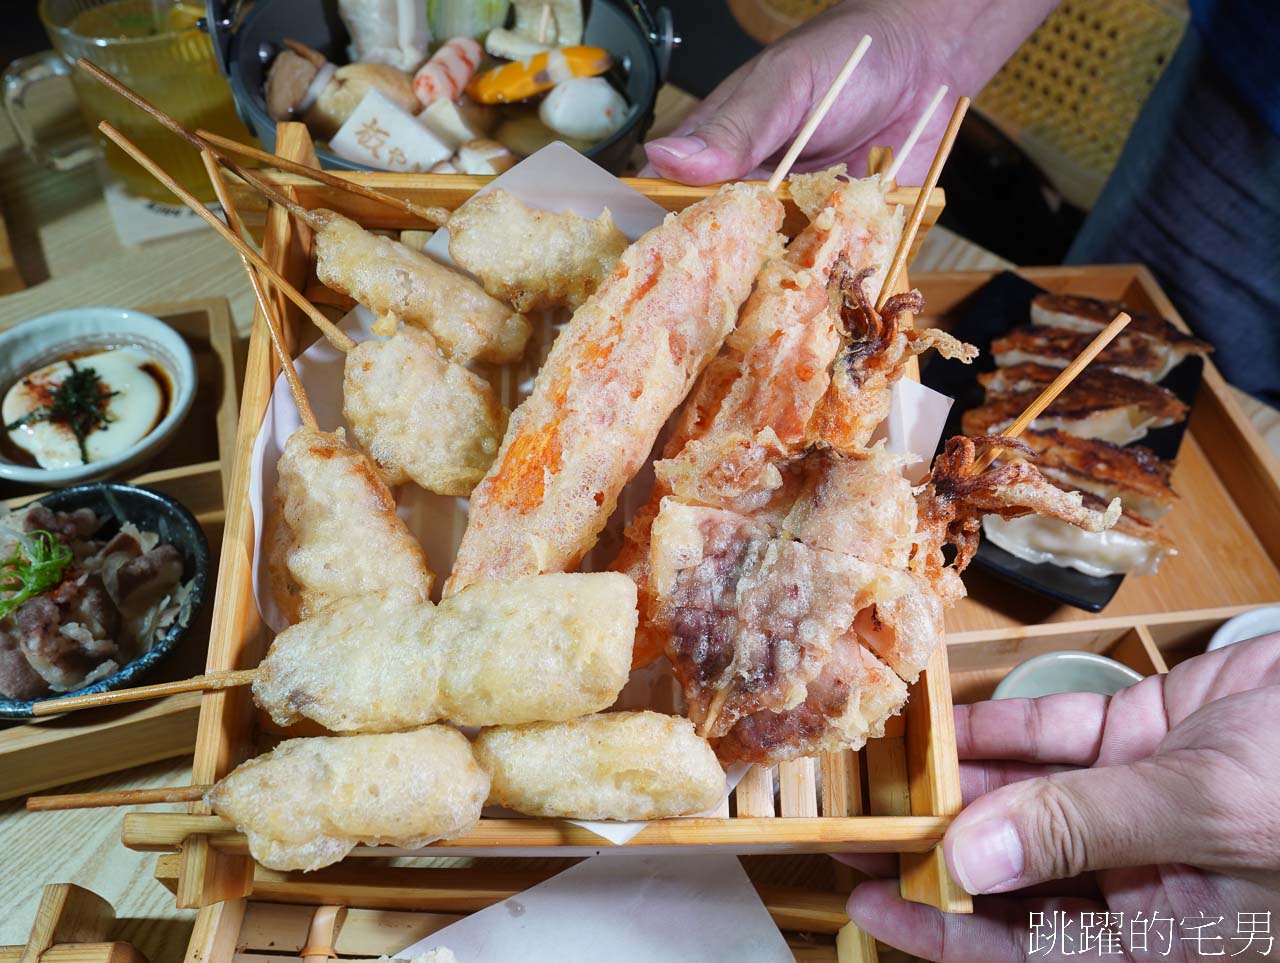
[(613, 377), (847, 704), (545, 647), (389, 278), (420, 416), (750, 619), (309, 802), (616, 765), (753, 404), (533, 259), (345, 539)]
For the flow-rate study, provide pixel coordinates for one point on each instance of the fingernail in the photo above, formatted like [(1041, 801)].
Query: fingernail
[(678, 147), (987, 856)]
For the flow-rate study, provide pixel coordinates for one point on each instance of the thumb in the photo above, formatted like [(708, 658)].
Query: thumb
[(732, 138), (1068, 823)]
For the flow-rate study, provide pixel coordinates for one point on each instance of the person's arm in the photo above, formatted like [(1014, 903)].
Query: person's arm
[(917, 45)]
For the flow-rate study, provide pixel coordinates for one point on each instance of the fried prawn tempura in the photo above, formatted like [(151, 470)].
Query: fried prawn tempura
[(341, 537), (533, 259), (545, 647), (617, 765), (396, 282), (419, 415), (309, 802), (613, 377)]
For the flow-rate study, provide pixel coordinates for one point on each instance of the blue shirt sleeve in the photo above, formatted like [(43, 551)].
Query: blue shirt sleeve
[(1243, 39)]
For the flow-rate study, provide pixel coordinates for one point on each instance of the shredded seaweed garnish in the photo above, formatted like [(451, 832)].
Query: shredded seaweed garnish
[(79, 402), (38, 562)]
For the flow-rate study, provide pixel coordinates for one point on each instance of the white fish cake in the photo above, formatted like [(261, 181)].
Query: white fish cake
[(344, 537), (616, 765), (420, 416), (391, 279), (309, 802), (546, 647), (533, 259)]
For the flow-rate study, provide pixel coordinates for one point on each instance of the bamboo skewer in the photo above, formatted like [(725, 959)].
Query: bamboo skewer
[(436, 216), (119, 797), (338, 338), (899, 261), (912, 138), (227, 679), (819, 112), (1054, 388), (223, 146), (229, 211)]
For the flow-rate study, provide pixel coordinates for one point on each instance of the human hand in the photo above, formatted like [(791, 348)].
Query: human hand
[(751, 118), (1164, 798)]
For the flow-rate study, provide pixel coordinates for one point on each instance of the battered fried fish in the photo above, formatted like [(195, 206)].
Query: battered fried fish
[(533, 259), (309, 802), (545, 647), (341, 537), (396, 282), (618, 765), (419, 415)]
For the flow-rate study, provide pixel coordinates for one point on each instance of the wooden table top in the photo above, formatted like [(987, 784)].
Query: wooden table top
[(65, 244)]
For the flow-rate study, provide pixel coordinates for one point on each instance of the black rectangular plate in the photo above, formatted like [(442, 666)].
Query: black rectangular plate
[(1004, 303)]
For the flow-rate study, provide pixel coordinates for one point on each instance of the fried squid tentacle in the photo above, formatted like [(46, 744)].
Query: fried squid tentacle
[(954, 500), (877, 348)]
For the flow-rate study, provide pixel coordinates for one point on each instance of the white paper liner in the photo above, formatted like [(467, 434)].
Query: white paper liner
[(556, 178), (678, 909)]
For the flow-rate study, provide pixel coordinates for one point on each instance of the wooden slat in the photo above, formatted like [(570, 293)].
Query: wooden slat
[(10, 277), (67, 914), (1138, 650), (841, 783), (162, 832), (798, 787), (79, 953), (237, 637), (216, 931), (754, 795), (406, 904), (933, 772)]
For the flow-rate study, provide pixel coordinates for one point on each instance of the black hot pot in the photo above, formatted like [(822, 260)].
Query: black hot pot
[(247, 36)]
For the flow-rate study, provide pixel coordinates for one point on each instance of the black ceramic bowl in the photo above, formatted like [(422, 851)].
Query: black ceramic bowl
[(640, 41), (150, 511)]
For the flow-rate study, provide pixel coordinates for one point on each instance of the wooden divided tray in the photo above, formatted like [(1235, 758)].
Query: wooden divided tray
[(914, 772), (1224, 526), (394, 908), (52, 751)]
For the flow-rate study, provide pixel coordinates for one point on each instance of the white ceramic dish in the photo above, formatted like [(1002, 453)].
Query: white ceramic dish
[(1248, 625), (33, 343), (1066, 671)]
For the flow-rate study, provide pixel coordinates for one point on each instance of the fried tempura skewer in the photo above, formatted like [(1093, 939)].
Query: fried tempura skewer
[(222, 146), (546, 647), (309, 802)]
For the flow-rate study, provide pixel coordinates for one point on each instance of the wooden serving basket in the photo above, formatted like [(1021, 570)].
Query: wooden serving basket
[(896, 797)]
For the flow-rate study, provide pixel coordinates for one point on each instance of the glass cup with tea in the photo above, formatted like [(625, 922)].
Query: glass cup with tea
[(153, 46)]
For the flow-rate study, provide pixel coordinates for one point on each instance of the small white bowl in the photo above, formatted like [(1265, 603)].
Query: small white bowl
[(1066, 671), (41, 340), (1246, 625)]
